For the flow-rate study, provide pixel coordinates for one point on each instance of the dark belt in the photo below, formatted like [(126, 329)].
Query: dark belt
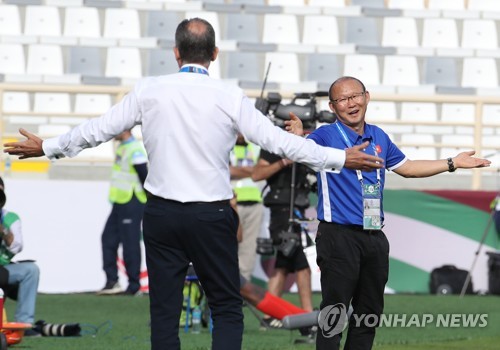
[(352, 227), (152, 196)]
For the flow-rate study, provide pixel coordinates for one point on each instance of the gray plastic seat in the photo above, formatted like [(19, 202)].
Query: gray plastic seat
[(362, 31), (369, 3), (162, 24), (85, 61), (323, 68), (161, 62), (246, 67), (242, 27), (440, 71)]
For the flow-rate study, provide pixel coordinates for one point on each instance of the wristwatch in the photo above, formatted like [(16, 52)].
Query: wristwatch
[(451, 165)]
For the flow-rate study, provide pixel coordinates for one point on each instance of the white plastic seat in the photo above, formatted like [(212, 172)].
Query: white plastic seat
[(479, 34), (381, 110), (284, 67), (414, 153), (12, 59), (363, 67), (82, 22), (461, 140), (439, 33), (400, 32), (50, 130), (406, 4), (92, 103), (45, 59), (121, 23), (327, 3), (446, 4), (458, 112), (123, 62), (52, 102), (491, 114), (286, 2), (320, 30), (280, 29), (419, 139), (418, 111), (16, 101), (10, 19), (491, 141), (42, 20), (401, 71), (483, 5), (479, 72)]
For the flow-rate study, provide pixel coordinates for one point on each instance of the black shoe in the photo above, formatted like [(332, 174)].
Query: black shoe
[(271, 323), (111, 288), (131, 293), (32, 333)]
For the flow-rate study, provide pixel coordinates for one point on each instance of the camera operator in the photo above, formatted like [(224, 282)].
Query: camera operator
[(278, 173), (18, 280)]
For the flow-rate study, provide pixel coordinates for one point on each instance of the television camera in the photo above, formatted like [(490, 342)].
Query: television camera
[(303, 105)]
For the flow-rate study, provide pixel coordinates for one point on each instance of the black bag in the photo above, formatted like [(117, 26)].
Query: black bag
[(448, 279)]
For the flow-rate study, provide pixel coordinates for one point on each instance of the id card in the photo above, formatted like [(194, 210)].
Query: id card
[(371, 207)]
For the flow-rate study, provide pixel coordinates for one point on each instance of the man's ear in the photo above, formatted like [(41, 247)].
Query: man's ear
[(177, 56), (215, 54)]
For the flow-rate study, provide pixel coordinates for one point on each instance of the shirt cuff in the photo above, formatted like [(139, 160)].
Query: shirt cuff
[(335, 160), (51, 148)]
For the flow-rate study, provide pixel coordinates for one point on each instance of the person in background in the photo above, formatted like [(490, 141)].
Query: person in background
[(352, 249), (495, 205), (189, 125), (123, 226), (249, 202), (18, 279)]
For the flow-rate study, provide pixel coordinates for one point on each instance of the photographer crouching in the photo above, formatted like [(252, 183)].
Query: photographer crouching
[(18, 280), (290, 256)]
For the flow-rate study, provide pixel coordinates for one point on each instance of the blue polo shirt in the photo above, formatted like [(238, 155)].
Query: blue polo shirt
[(340, 197)]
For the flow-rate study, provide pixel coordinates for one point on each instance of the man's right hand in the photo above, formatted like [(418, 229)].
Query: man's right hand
[(29, 148), (355, 158)]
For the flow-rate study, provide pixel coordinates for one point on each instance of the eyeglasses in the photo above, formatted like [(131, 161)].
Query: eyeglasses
[(356, 98)]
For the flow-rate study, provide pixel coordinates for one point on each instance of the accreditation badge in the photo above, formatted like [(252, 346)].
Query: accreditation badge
[(371, 207)]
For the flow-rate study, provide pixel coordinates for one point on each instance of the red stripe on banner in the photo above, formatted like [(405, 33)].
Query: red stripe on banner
[(476, 199)]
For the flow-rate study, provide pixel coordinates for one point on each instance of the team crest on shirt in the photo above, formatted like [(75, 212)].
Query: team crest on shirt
[(378, 149)]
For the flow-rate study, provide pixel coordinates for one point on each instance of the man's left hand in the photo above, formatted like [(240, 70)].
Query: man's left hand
[(294, 125), (465, 160), (29, 148)]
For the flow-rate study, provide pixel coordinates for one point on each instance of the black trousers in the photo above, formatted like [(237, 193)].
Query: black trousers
[(204, 234), (123, 226), (354, 268)]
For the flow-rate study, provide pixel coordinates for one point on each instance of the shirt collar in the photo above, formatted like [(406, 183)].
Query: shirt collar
[(355, 137), (194, 68)]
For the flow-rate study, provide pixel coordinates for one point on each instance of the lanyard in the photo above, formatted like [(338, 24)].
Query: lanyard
[(194, 69), (349, 144)]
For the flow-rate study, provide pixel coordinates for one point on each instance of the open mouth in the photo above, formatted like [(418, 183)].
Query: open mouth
[(354, 112)]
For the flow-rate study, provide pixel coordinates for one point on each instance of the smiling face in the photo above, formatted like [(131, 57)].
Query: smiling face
[(349, 101)]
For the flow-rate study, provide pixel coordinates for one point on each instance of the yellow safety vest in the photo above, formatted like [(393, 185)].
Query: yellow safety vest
[(124, 179), (246, 190)]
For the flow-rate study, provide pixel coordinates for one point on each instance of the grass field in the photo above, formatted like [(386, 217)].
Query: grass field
[(121, 323)]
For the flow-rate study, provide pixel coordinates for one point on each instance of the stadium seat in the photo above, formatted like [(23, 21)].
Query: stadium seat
[(327, 3), (440, 71), (51, 130), (439, 33), (82, 22), (491, 114), (123, 63), (458, 140), (45, 59), (284, 67), (479, 72), (16, 101), (415, 153), (361, 31), (121, 23), (243, 27), (45, 102), (322, 68), (42, 21), (10, 19), (245, 67), (381, 111), (418, 139), (286, 2), (479, 34), (12, 59), (162, 24), (320, 30), (406, 4), (446, 4), (161, 62), (363, 67), (249, 2), (84, 60), (280, 29), (483, 5), (92, 103), (400, 32), (458, 112), (369, 3), (400, 71), (418, 112)]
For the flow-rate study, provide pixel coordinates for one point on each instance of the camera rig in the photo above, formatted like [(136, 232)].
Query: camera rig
[(303, 105)]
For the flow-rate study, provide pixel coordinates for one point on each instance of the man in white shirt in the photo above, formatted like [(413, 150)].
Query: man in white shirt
[(189, 126)]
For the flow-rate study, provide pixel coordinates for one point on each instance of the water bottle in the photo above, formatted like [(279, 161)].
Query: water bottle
[(196, 321)]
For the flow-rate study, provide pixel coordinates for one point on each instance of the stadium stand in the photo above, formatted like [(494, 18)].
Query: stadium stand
[(431, 65)]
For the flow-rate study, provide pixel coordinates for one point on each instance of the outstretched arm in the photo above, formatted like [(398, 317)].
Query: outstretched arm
[(29, 148), (426, 168)]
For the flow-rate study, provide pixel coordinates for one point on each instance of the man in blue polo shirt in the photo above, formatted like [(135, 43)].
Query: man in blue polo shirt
[(352, 250)]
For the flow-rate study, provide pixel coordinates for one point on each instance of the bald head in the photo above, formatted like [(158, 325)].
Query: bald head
[(195, 41)]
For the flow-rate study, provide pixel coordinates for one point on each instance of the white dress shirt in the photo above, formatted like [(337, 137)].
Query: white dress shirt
[(189, 126)]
